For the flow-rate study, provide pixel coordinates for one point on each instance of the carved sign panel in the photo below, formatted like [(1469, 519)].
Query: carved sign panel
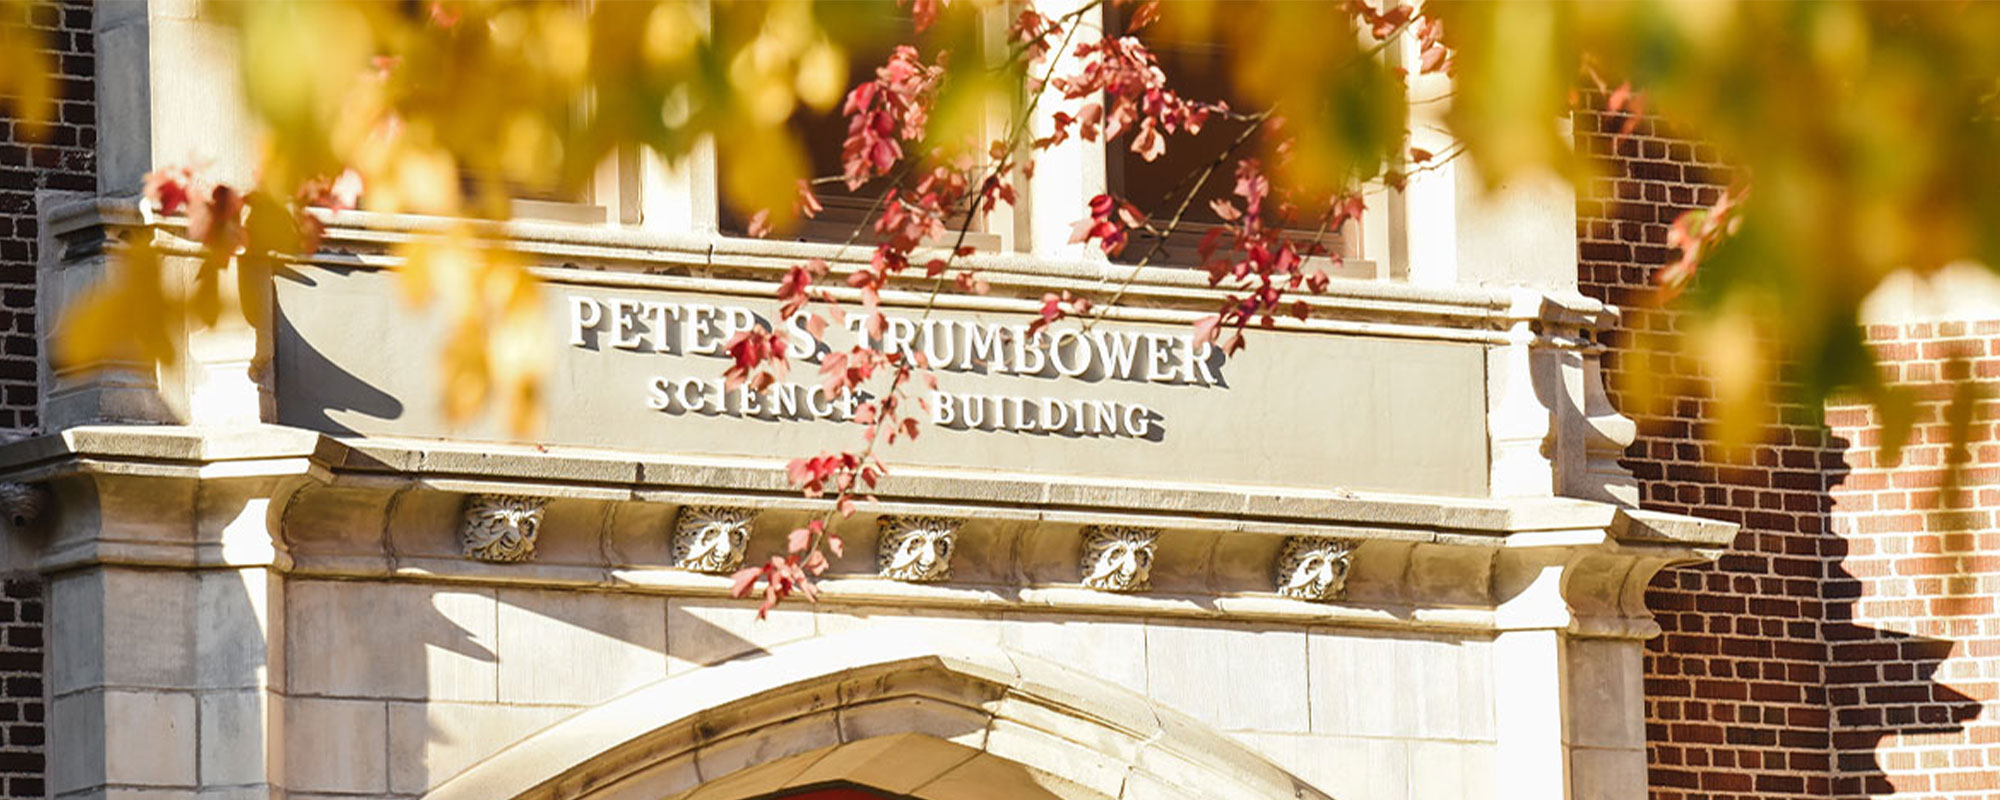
[(638, 363)]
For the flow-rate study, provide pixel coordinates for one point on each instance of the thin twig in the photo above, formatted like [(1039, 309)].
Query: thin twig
[(903, 370), (1180, 212)]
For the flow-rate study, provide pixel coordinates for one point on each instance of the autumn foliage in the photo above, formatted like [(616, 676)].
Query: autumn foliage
[(1863, 125)]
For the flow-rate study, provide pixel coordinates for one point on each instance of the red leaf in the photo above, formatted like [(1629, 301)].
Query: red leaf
[(1204, 328), (1144, 15), (798, 540), (740, 583)]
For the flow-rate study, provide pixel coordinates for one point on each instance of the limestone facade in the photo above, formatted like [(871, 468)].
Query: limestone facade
[(1386, 554)]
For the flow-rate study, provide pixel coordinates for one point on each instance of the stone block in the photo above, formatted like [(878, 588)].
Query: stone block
[(908, 716), (1356, 687), (236, 737), (666, 779), (578, 648), (131, 793), (1145, 786), (1263, 668), (1343, 767), (1110, 649), (434, 741), (916, 624), (1072, 762), (76, 742), (1450, 685), (394, 640), (239, 640), (136, 739), (1607, 701), (704, 632), (760, 749), (1453, 771), (121, 627), (1607, 773), (337, 745)]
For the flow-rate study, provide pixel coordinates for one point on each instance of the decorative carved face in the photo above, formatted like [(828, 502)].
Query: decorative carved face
[(1314, 568), (1118, 559), (711, 538), (916, 548), (500, 528)]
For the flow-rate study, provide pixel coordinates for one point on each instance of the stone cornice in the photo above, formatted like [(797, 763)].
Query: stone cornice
[(318, 506), (726, 265), (557, 472)]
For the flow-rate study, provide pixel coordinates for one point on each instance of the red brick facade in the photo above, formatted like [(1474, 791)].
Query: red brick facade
[(63, 158), (1735, 687), (1844, 646), (1915, 646)]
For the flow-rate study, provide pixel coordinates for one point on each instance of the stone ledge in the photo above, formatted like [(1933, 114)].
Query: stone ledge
[(611, 254), (381, 463)]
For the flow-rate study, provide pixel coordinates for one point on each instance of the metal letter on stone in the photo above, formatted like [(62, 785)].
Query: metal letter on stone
[(1315, 567), (501, 528), (917, 549), (1118, 558), (711, 539)]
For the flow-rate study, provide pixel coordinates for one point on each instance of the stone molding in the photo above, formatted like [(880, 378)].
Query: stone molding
[(307, 504), (1315, 567), (886, 691), (1119, 558), (501, 528), (916, 549), (711, 539), (624, 256), (22, 503)]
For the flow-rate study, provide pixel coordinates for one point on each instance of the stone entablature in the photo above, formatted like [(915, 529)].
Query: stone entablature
[(373, 508), (324, 583), (1517, 367)]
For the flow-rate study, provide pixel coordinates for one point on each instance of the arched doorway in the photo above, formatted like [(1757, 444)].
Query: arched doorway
[(832, 793), (869, 716)]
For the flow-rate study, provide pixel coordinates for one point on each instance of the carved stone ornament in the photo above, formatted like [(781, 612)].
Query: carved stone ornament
[(1117, 558), (1315, 567), (23, 503), (711, 538), (501, 528), (917, 549)]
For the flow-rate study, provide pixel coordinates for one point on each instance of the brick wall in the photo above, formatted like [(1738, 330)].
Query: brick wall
[(21, 707), (1848, 645), (1916, 648), (1735, 697), (64, 158)]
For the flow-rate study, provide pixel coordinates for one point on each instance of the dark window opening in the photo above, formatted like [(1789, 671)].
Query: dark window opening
[(1199, 72)]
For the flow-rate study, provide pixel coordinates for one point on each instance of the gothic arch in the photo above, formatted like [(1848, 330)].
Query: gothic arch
[(933, 720)]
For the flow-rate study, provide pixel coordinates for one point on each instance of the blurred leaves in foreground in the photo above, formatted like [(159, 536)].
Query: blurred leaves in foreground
[(1860, 133)]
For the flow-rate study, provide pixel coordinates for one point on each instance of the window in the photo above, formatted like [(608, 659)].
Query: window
[(1198, 71), (870, 40)]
